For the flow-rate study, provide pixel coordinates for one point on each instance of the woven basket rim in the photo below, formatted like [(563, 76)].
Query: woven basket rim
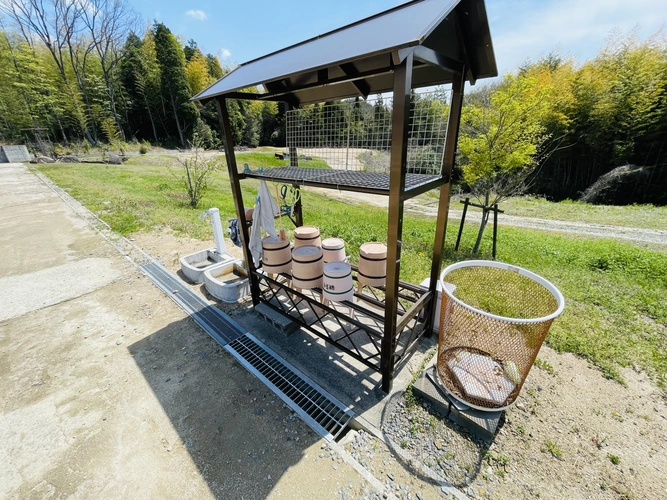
[(560, 300)]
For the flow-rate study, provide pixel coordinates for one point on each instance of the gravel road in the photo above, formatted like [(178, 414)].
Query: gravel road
[(653, 236)]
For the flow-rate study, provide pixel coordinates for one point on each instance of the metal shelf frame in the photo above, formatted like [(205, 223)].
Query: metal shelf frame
[(390, 341), (355, 327), (449, 43)]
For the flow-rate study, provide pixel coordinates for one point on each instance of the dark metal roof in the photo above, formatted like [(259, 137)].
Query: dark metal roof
[(358, 59)]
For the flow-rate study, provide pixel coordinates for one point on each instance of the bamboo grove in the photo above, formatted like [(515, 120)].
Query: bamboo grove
[(92, 72)]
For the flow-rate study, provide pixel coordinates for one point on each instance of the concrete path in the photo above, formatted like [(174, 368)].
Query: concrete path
[(108, 390)]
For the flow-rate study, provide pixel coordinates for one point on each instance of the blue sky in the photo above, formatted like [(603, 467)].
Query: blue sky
[(238, 31)]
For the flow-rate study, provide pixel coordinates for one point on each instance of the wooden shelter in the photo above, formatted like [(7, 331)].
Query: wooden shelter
[(421, 43)]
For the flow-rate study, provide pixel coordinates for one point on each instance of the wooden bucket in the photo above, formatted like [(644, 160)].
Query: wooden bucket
[(337, 280), (307, 267), (333, 249), (372, 264), (307, 235), (277, 255)]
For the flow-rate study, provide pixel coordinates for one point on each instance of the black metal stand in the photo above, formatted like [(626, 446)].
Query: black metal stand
[(485, 209)]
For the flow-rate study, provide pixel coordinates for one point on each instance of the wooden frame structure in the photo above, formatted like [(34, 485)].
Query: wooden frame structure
[(421, 43)]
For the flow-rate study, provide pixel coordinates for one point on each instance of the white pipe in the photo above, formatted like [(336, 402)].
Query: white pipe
[(217, 231)]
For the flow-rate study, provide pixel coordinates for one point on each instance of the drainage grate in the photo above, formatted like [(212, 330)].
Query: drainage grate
[(326, 415), (216, 323)]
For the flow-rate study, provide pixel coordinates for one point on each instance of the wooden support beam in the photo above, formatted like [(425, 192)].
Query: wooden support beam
[(397, 172), (465, 43), (430, 56), (413, 311), (443, 206), (230, 157), (362, 85)]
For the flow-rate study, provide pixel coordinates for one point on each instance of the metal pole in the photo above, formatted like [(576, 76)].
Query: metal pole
[(217, 231), (463, 218), (397, 171), (226, 133), (443, 205), (495, 229), (294, 162), (347, 150)]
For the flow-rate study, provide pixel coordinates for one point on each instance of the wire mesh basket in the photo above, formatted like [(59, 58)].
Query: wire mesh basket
[(493, 321)]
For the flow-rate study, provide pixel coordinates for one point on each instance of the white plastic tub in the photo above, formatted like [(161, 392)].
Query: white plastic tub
[(195, 264), (227, 282)]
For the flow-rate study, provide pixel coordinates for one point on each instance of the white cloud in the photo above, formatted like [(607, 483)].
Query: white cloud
[(200, 15), (224, 54), (524, 30)]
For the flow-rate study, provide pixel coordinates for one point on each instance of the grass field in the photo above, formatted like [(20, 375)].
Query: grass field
[(615, 314), (258, 159)]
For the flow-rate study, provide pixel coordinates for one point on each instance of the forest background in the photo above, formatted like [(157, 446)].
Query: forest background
[(89, 74)]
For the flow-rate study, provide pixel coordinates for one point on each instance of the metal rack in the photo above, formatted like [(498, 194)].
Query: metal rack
[(418, 44), (344, 180)]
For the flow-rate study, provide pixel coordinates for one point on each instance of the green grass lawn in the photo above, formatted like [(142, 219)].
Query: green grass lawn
[(259, 159), (643, 216), (615, 315)]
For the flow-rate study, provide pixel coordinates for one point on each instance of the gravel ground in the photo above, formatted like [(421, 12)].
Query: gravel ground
[(648, 236)]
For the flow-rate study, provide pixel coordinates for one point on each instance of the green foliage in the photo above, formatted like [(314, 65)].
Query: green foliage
[(614, 112), (553, 448), (206, 137), (614, 318), (196, 172), (197, 72), (174, 82), (502, 132), (251, 132), (544, 365), (613, 459)]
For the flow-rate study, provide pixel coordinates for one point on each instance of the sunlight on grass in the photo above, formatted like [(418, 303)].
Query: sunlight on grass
[(269, 160), (615, 313)]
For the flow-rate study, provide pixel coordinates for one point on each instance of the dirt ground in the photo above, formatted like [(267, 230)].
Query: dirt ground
[(567, 407), (110, 390)]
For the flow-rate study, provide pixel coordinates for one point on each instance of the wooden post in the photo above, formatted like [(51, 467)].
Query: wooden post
[(443, 204), (397, 171), (230, 157)]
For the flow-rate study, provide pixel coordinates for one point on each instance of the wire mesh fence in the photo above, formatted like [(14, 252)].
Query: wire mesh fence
[(355, 135)]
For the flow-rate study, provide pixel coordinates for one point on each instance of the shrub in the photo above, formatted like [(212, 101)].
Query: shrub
[(195, 173)]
